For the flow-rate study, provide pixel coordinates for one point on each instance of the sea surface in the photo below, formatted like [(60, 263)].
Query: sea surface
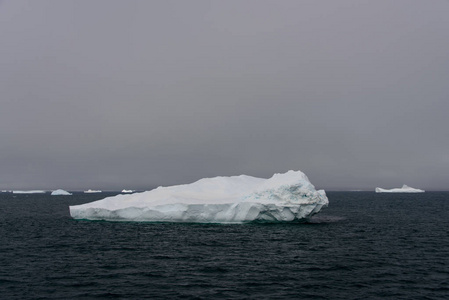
[(363, 246)]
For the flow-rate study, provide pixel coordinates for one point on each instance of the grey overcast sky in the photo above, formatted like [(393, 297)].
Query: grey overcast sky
[(111, 94)]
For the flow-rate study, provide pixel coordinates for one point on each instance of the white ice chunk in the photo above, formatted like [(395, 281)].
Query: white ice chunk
[(60, 192), (282, 198), (403, 189), (127, 191)]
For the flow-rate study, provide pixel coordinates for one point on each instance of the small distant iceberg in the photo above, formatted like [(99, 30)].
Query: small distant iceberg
[(288, 197), (29, 192), (60, 193), (89, 191), (127, 191), (403, 189)]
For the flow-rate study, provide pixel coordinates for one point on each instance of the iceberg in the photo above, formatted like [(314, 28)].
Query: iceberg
[(89, 191), (60, 192), (127, 191), (403, 189), (29, 192), (288, 197)]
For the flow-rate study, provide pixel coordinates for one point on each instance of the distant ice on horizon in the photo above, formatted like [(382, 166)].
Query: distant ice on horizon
[(29, 192), (403, 189), (288, 197), (92, 191), (60, 193)]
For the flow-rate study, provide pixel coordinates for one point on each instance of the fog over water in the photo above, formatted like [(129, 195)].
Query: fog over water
[(113, 94)]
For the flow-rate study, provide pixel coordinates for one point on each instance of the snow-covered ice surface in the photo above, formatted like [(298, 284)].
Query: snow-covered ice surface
[(403, 189), (288, 197), (60, 192)]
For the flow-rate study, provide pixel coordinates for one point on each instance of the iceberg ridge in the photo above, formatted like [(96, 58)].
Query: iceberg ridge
[(288, 197)]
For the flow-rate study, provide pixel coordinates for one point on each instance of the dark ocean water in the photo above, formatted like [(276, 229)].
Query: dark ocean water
[(363, 246)]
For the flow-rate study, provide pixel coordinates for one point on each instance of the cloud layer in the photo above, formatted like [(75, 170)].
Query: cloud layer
[(135, 94)]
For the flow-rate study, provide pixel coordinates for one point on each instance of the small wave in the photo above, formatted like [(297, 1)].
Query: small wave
[(325, 219), (214, 269)]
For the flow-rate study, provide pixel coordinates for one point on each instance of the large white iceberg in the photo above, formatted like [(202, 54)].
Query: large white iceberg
[(60, 193), (403, 189), (288, 197)]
